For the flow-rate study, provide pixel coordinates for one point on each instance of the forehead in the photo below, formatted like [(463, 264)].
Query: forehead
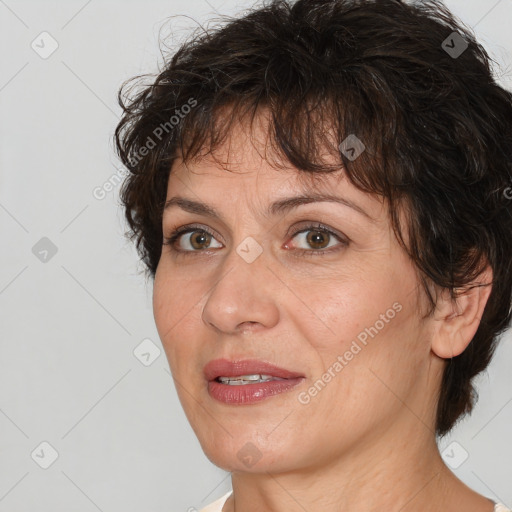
[(210, 190), (246, 168), (250, 175), (248, 147), (247, 157)]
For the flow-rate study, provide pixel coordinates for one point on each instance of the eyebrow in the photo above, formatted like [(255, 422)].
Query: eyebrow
[(278, 207)]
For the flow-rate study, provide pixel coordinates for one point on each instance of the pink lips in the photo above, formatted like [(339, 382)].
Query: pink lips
[(247, 393)]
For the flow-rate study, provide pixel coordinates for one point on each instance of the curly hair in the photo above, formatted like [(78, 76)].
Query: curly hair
[(409, 80)]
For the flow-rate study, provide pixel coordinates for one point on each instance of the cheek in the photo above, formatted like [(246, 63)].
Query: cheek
[(162, 303), (339, 312), (364, 330), (174, 298), (343, 302), (174, 306)]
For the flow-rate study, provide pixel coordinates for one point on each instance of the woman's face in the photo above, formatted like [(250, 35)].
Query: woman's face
[(335, 306)]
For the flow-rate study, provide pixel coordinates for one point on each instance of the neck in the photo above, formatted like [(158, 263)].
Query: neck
[(408, 473)]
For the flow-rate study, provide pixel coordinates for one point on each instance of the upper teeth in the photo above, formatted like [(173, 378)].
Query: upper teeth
[(247, 379)]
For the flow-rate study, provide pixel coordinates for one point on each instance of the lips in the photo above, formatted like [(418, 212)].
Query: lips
[(247, 393), (225, 368)]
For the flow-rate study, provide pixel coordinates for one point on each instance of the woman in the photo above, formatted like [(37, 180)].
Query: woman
[(318, 189)]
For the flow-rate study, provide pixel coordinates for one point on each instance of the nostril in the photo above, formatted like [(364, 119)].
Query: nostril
[(246, 326)]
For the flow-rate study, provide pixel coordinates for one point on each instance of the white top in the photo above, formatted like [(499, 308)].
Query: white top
[(216, 506)]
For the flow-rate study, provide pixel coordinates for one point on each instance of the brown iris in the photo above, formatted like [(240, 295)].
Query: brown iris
[(200, 238), (317, 239)]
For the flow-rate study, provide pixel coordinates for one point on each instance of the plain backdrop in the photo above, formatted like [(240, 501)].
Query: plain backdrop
[(89, 417)]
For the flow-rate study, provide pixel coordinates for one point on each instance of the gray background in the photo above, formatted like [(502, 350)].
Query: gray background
[(70, 321)]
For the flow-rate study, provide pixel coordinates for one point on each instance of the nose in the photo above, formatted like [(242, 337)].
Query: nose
[(244, 296)]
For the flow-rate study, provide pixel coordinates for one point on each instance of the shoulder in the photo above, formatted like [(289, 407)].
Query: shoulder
[(501, 508), (217, 505)]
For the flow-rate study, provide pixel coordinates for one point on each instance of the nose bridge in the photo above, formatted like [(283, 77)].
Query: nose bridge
[(243, 292)]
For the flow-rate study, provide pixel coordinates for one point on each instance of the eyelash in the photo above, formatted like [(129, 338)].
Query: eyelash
[(175, 235)]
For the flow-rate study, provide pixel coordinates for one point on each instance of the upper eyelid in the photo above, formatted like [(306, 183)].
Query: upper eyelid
[(309, 226)]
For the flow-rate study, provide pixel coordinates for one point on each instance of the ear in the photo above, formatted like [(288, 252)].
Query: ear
[(456, 320)]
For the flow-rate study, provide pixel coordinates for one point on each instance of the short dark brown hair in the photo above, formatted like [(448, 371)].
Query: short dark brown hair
[(409, 80)]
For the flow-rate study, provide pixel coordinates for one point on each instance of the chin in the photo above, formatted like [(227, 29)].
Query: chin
[(240, 454)]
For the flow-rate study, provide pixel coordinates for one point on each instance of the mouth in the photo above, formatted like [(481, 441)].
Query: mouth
[(245, 382)]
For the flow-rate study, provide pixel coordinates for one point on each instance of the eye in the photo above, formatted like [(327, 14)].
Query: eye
[(317, 239), (314, 239), (191, 239)]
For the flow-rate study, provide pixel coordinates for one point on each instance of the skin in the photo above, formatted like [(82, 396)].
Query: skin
[(366, 441)]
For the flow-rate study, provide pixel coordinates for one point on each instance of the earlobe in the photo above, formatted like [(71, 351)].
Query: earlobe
[(456, 320)]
